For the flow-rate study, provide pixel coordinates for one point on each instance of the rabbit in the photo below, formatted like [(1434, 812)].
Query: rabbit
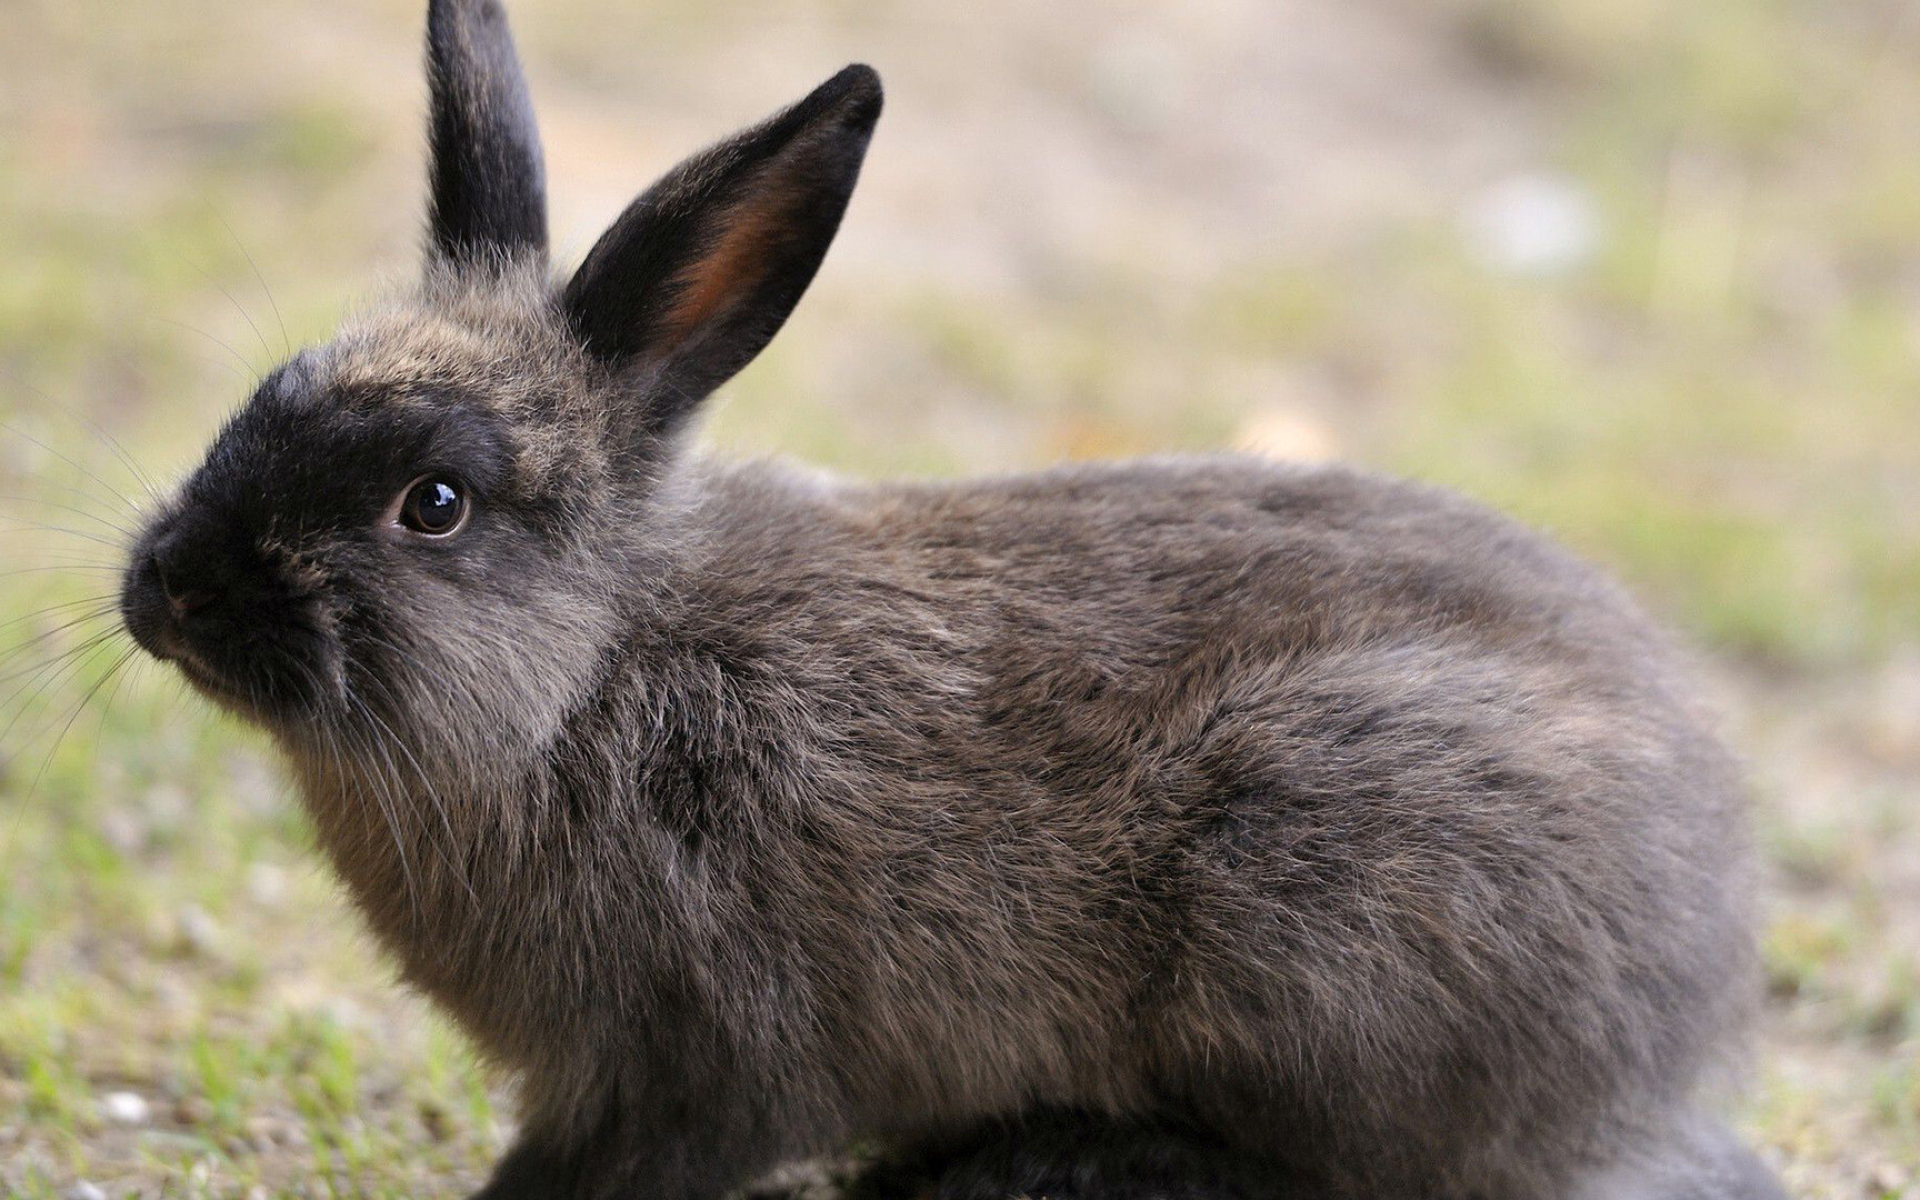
[(1174, 827)]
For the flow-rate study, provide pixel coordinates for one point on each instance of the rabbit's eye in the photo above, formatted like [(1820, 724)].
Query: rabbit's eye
[(434, 505)]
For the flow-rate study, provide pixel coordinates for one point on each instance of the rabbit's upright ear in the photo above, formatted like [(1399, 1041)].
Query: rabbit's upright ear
[(701, 271), (489, 189)]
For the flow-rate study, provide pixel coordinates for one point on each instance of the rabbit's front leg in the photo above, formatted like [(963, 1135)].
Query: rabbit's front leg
[(625, 1154), (533, 1170)]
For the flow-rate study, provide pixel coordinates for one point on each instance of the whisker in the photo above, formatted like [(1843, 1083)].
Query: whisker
[(37, 527), (92, 608), (73, 716), (78, 417), (172, 714), (433, 795), (70, 621), (61, 606), (100, 732), (119, 451), (108, 568), (246, 373), (64, 565), (285, 341), (91, 640), (332, 736), (45, 488), (73, 661), (237, 307), (71, 508), (16, 431), (387, 812)]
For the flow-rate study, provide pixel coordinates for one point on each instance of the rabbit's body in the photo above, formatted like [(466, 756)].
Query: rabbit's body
[(1343, 816), (1320, 823)]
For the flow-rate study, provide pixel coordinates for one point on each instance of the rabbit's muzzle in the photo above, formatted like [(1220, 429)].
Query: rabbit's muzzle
[(201, 598)]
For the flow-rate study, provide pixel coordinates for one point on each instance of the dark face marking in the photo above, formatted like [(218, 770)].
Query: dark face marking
[(311, 512)]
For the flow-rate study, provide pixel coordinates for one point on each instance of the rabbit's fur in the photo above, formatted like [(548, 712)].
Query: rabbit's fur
[(1066, 833)]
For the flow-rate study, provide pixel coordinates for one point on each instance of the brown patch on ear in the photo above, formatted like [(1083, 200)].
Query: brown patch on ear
[(731, 270), (701, 270)]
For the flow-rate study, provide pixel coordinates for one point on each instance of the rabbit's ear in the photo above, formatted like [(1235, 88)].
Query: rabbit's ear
[(489, 190), (701, 271)]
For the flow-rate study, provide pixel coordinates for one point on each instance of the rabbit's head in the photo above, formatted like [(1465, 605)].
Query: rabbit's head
[(424, 531)]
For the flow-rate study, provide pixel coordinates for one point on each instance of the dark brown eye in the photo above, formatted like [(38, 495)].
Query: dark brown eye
[(435, 506)]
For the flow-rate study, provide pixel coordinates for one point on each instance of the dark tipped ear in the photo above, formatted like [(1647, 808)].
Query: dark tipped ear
[(489, 188), (701, 271)]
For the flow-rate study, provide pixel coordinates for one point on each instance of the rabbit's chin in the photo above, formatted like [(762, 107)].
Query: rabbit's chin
[(293, 697), (275, 708)]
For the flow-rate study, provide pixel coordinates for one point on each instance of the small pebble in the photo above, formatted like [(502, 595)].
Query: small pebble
[(434, 1119), (192, 1111), (166, 808), (1533, 225), (125, 1108), (198, 935), (263, 1132), (1286, 435), (266, 884), (123, 831), (1892, 726), (1889, 1178), (84, 1191), (255, 785)]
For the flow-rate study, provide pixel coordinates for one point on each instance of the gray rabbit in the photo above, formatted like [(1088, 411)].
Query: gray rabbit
[(1163, 829)]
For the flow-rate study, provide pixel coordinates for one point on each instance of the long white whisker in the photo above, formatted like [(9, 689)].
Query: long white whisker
[(45, 675), (112, 443), (127, 503), (245, 373), (237, 307), (62, 606), (433, 795), (285, 341), (42, 502), (35, 668), (63, 568), (37, 527), (384, 794), (119, 451), (106, 709), (74, 715)]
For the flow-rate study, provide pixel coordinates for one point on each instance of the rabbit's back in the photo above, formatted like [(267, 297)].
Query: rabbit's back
[(1351, 816)]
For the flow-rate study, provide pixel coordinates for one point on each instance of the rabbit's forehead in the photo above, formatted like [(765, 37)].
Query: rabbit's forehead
[(304, 454), (522, 375), (504, 346), (404, 367)]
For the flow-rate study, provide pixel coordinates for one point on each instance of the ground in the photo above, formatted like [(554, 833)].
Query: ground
[(1645, 274)]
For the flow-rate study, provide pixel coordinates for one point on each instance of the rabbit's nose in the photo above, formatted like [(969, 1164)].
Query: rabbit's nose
[(183, 599)]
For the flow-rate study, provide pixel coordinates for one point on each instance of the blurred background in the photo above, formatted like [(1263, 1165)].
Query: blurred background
[(1645, 273)]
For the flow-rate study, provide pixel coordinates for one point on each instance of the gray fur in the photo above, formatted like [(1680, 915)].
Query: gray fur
[(1333, 823)]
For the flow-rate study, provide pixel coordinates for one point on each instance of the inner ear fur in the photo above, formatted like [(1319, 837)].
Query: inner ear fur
[(700, 272), (743, 251)]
